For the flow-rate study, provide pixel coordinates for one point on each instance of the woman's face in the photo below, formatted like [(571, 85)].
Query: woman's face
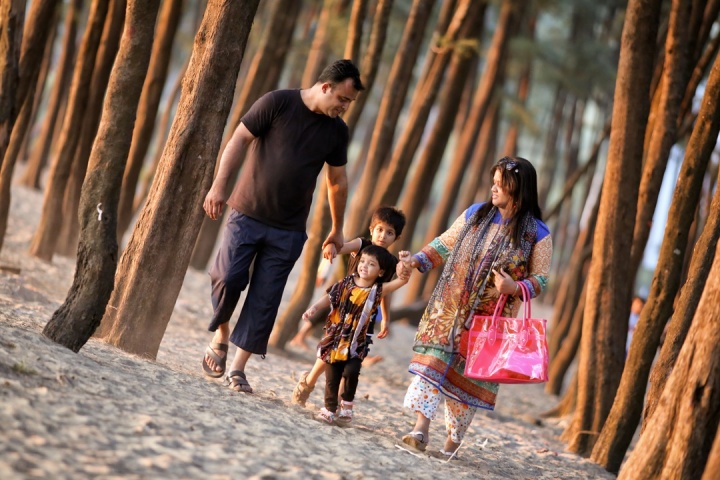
[(501, 198)]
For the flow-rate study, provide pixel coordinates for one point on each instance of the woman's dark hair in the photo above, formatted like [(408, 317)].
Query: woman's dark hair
[(385, 259), (339, 71), (519, 179)]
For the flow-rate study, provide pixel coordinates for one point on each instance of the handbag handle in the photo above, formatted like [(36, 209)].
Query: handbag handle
[(526, 306)]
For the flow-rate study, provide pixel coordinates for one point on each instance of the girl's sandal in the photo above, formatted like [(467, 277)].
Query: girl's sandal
[(326, 415), (345, 415), (416, 440)]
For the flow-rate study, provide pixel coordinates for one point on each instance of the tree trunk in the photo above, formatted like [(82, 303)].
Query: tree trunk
[(76, 319), (627, 407), (318, 49), (567, 403), (608, 292), (684, 307), (678, 441), (523, 90), (12, 16), (263, 76), (134, 320), (355, 30), (566, 354), (66, 243), (41, 149), (673, 84), (712, 467), (416, 196), (545, 172), (45, 237), (371, 60), (167, 24), (390, 107)]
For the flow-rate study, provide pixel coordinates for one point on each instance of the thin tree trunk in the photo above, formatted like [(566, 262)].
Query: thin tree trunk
[(608, 293), (317, 56), (167, 25), (45, 237), (355, 30), (679, 325), (63, 74), (135, 321), (263, 76), (712, 467), (567, 403), (66, 243), (678, 442), (627, 407), (674, 82), (566, 354), (545, 175), (415, 196), (390, 107), (76, 320), (12, 17)]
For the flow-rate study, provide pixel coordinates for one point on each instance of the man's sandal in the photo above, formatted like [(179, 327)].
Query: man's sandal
[(416, 440), (238, 382), (212, 352)]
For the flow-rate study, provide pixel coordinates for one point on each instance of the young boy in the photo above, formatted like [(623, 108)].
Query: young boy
[(386, 226)]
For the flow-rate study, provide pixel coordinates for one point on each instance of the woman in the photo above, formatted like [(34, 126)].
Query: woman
[(489, 249)]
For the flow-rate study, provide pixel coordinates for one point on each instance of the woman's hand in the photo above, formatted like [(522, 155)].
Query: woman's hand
[(406, 264), (504, 283)]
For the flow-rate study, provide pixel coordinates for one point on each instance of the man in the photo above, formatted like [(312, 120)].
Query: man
[(289, 136)]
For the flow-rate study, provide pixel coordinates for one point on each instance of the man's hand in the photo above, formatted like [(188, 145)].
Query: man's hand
[(335, 238), (214, 202)]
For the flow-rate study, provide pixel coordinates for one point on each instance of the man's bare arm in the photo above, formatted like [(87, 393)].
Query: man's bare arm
[(337, 195), (229, 162)]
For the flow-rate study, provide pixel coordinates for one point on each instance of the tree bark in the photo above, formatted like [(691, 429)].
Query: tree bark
[(675, 77), (608, 293), (545, 172), (263, 76), (45, 237), (566, 354), (167, 25), (684, 308), (135, 321), (678, 441), (63, 74), (415, 196), (355, 30), (390, 107), (76, 320), (627, 407), (712, 467), (66, 243)]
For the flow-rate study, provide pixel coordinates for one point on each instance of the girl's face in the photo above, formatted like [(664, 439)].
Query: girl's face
[(369, 268), (382, 234), (501, 198)]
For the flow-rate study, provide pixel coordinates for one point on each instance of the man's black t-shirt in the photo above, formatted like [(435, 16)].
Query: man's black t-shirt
[(292, 145)]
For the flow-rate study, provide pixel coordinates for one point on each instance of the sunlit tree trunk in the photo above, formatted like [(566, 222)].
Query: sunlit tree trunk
[(76, 319), (664, 134), (109, 43), (263, 76), (627, 407), (63, 74), (391, 104), (135, 321), (608, 292), (45, 237), (167, 24), (678, 440), (712, 467)]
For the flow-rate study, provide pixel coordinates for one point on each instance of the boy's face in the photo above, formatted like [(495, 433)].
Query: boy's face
[(369, 268), (382, 234)]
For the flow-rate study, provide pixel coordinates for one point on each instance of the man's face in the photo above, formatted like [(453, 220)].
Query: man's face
[(337, 98)]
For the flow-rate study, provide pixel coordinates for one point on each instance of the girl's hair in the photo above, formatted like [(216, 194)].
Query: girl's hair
[(519, 180), (385, 259)]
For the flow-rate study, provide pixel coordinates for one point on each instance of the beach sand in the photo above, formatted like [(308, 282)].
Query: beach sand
[(103, 413)]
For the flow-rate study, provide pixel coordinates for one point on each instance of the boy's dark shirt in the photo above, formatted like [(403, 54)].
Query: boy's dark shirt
[(291, 147)]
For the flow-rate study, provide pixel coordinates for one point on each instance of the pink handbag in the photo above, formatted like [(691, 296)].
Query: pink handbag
[(507, 350)]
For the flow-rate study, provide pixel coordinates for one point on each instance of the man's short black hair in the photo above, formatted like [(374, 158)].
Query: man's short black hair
[(340, 70), (390, 215)]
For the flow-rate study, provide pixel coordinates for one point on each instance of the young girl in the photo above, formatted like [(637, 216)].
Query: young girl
[(353, 301)]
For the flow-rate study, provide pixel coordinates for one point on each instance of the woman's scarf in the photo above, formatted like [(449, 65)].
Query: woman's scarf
[(500, 248)]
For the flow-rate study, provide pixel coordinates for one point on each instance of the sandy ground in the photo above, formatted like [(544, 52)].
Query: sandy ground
[(103, 413)]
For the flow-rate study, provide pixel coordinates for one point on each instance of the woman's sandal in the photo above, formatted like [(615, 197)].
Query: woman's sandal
[(416, 439), (238, 382), (212, 352)]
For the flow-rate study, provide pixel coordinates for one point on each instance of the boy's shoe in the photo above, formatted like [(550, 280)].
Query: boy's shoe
[(326, 415), (345, 415), (302, 390)]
